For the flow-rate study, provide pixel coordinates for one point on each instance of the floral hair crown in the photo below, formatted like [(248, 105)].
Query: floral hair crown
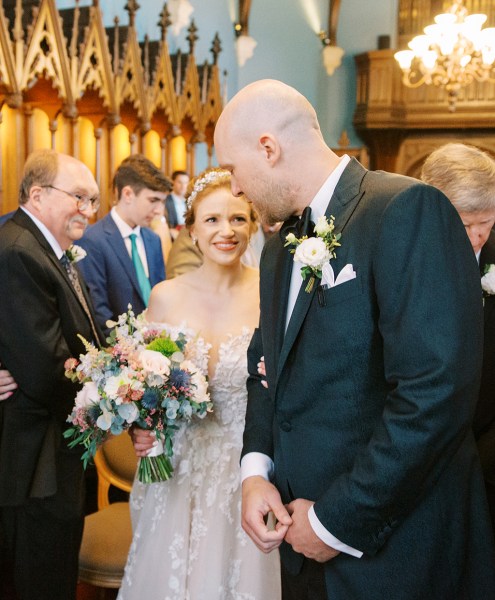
[(202, 182)]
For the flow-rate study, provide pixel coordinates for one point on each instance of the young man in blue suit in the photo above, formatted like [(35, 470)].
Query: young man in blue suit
[(124, 257), (361, 444), (5, 218)]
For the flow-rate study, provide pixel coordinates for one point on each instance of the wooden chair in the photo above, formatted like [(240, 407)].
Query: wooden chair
[(108, 532)]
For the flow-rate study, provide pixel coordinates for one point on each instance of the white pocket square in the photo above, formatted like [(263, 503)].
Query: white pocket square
[(328, 278)]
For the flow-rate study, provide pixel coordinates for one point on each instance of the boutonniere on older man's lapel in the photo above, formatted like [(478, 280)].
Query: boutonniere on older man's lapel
[(488, 280), (314, 252), (75, 253)]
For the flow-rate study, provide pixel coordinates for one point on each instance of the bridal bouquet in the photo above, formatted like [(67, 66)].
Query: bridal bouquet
[(144, 378)]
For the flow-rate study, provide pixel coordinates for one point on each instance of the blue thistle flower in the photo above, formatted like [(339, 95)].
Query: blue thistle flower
[(93, 413), (150, 399), (179, 378)]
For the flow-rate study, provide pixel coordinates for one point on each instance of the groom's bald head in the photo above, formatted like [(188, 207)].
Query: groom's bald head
[(268, 136), (267, 106)]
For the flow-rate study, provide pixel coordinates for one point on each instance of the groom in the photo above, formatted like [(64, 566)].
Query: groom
[(361, 445)]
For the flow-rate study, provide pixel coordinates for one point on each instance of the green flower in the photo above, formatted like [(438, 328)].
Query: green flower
[(163, 345)]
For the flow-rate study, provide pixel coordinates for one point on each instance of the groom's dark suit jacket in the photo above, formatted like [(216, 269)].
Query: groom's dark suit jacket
[(372, 391), (484, 417), (40, 317)]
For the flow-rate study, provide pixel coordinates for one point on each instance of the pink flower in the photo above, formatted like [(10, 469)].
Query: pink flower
[(70, 364)]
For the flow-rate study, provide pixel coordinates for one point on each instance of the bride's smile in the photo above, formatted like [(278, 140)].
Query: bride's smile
[(222, 226)]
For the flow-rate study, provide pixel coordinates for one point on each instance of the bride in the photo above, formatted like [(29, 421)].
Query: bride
[(188, 543)]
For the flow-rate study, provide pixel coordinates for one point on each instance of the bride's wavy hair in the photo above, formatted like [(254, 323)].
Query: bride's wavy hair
[(204, 184)]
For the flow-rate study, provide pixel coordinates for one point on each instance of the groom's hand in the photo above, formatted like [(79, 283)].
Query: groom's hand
[(301, 535), (259, 497)]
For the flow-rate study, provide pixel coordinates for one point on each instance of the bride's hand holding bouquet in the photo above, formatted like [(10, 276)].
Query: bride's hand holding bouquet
[(144, 378)]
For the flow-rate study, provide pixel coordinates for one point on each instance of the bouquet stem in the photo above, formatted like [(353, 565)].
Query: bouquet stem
[(153, 469)]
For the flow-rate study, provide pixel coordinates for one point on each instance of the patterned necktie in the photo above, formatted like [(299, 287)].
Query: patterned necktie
[(144, 282), (76, 284)]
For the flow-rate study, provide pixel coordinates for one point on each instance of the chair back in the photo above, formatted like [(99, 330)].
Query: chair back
[(108, 532), (116, 464)]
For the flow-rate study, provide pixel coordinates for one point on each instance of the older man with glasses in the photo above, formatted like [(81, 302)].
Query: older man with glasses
[(44, 305)]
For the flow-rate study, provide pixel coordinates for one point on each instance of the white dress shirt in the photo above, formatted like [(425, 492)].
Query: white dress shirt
[(46, 233), (125, 232), (256, 463)]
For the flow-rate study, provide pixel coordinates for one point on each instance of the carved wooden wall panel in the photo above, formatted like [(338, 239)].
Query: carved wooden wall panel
[(68, 65), (400, 125)]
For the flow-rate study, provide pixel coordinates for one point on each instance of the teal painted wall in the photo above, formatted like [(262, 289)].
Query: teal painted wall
[(288, 48)]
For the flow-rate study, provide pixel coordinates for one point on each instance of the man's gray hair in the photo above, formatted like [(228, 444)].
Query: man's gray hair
[(465, 174)]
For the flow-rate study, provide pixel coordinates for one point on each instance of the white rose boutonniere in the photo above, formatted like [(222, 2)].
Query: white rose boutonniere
[(75, 253), (314, 252), (488, 280)]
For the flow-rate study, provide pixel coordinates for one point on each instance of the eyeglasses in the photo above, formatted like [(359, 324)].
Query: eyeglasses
[(83, 202)]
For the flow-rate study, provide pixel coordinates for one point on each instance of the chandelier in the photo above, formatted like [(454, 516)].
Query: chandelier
[(451, 54)]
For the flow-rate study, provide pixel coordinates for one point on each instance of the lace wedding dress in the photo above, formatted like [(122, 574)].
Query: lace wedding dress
[(188, 543)]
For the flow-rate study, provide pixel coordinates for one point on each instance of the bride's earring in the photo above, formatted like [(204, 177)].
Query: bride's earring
[(194, 240)]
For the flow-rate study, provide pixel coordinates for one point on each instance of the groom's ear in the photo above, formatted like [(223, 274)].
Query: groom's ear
[(270, 147)]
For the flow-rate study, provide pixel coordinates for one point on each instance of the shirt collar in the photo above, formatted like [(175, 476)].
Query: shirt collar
[(320, 202), (122, 226), (55, 246)]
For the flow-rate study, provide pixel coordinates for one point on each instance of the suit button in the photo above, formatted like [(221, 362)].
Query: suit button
[(285, 426)]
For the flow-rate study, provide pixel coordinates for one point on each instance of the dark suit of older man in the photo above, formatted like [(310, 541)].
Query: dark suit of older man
[(41, 315)]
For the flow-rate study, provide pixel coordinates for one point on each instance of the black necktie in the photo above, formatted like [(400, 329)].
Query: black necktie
[(76, 284), (299, 226)]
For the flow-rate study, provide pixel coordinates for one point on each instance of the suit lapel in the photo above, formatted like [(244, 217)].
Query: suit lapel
[(276, 317), (346, 196), (343, 203), (150, 257), (301, 307), (24, 221)]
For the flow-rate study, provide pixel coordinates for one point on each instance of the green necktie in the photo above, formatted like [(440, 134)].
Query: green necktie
[(144, 282)]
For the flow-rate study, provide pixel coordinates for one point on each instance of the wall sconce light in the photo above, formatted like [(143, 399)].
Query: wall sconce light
[(244, 44), (331, 53)]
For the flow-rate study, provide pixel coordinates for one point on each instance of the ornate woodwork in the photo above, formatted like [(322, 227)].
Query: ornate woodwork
[(69, 83), (400, 125)]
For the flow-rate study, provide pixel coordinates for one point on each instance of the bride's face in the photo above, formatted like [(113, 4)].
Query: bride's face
[(222, 226)]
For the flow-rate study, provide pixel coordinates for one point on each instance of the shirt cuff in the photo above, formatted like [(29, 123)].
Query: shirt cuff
[(328, 538), (256, 463)]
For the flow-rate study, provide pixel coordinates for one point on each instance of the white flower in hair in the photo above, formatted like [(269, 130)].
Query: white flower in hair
[(205, 180)]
